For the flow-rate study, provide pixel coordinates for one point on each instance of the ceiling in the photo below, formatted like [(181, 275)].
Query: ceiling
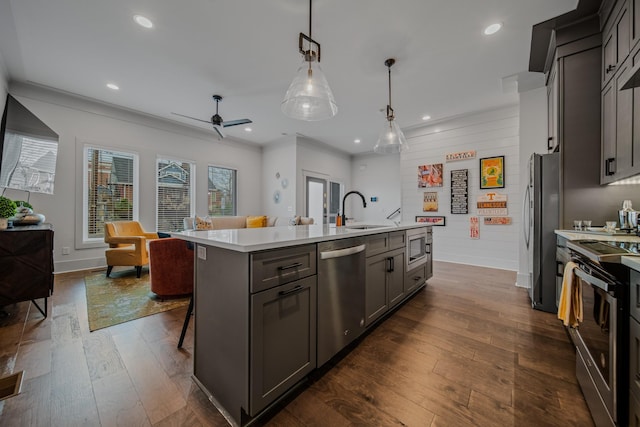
[(247, 51)]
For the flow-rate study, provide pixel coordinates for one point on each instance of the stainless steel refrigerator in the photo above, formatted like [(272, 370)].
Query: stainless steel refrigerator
[(542, 197)]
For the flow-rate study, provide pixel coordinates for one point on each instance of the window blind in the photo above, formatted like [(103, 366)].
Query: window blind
[(109, 189), (175, 193), (222, 191)]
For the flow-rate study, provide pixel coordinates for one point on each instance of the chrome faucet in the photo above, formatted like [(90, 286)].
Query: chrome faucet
[(364, 204)]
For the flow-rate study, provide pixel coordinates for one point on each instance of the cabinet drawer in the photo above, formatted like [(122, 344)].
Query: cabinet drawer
[(634, 410), (277, 267), (377, 244), (415, 278), (397, 239), (634, 356), (634, 295)]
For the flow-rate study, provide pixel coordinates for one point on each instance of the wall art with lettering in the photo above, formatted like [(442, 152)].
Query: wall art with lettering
[(460, 191)]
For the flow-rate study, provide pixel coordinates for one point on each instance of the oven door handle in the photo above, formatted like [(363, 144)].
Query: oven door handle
[(592, 280)]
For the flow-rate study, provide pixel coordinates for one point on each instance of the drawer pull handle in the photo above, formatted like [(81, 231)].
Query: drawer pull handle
[(417, 278), (295, 289), (289, 267)]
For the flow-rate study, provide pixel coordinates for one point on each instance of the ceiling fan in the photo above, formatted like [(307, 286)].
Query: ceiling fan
[(217, 121)]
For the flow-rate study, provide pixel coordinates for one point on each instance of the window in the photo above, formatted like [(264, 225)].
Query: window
[(110, 189), (175, 186), (222, 191)]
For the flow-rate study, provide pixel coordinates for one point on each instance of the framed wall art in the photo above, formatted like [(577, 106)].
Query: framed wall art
[(430, 202), (433, 220), (430, 175), (492, 172)]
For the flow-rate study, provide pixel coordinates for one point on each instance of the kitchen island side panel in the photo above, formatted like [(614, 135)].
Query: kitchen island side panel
[(221, 314)]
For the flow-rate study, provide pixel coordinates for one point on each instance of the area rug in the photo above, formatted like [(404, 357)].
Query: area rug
[(123, 297)]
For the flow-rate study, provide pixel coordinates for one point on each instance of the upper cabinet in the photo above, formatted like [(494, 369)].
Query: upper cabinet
[(616, 39), (620, 116)]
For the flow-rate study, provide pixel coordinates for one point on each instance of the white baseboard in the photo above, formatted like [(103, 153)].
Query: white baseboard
[(522, 280), (79, 264)]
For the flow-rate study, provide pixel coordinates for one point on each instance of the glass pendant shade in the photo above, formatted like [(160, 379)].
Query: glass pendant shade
[(309, 96), (391, 139)]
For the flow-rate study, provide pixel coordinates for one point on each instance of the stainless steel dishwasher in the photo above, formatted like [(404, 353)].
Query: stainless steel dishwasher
[(341, 295)]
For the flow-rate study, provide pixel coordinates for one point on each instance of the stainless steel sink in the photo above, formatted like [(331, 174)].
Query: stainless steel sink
[(365, 226)]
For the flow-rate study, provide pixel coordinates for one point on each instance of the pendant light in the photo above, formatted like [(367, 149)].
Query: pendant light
[(391, 139), (309, 96)]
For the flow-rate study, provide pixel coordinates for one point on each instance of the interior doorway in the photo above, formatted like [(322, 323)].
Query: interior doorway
[(316, 199), (322, 199)]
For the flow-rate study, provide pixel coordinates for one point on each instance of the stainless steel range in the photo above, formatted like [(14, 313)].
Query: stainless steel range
[(601, 339)]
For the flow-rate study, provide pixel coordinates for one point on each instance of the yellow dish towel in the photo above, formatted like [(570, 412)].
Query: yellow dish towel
[(570, 306)]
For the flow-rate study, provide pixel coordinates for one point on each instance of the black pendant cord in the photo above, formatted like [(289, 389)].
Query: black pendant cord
[(389, 67), (310, 9)]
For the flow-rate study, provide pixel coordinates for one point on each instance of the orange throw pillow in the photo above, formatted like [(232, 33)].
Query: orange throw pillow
[(256, 221)]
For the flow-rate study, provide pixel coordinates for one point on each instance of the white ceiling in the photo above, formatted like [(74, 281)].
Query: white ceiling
[(247, 51)]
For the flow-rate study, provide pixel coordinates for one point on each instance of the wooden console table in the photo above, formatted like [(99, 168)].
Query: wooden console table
[(26, 264)]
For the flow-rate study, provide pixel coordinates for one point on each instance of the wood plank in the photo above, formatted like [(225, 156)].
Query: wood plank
[(158, 393)]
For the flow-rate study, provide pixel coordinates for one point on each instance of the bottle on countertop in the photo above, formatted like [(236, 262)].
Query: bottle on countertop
[(338, 220)]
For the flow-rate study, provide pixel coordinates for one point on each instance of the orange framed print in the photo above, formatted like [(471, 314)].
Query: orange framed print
[(492, 172)]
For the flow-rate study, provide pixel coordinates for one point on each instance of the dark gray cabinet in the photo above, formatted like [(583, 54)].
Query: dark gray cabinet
[(574, 66), (634, 349), (616, 39), (283, 340), (384, 283)]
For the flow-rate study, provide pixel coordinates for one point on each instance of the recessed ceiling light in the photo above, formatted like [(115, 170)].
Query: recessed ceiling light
[(426, 117), (113, 86), (248, 129), (143, 21), (357, 141), (492, 29)]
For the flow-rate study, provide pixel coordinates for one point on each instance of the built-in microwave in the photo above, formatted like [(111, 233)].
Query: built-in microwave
[(416, 250)]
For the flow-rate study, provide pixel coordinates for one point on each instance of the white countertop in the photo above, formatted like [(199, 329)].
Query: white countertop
[(577, 235), (631, 261), (258, 239)]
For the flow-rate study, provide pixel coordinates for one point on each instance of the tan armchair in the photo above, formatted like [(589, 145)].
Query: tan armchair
[(127, 245)]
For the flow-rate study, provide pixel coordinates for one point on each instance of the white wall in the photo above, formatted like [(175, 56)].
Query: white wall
[(320, 160), (79, 121), (4, 83), (279, 159), (533, 139), (490, 133), (375, 175)]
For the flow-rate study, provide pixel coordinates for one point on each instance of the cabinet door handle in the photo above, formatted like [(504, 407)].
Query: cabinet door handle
[(293, 290), (289, 267), (389, 265), (550, 143), (610, 166)]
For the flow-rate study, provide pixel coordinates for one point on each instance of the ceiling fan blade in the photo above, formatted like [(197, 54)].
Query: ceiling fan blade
[(193, 118), (236, 122), (219, 130)]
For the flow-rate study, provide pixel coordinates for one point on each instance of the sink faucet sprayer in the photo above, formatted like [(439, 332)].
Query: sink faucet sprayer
[(364, 204)]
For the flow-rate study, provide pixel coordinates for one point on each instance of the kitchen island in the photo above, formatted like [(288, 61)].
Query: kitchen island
[(273, 304)]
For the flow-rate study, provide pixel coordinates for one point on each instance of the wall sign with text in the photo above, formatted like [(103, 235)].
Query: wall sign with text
[(492, 204), (460, 191)]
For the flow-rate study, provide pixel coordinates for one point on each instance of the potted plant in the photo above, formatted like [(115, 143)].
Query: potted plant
[(7, 210)]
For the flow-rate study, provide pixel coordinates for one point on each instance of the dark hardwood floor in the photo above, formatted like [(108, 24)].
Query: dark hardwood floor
[(466, 350)]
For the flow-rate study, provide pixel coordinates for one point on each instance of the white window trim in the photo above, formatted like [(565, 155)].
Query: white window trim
[(85, 241)]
